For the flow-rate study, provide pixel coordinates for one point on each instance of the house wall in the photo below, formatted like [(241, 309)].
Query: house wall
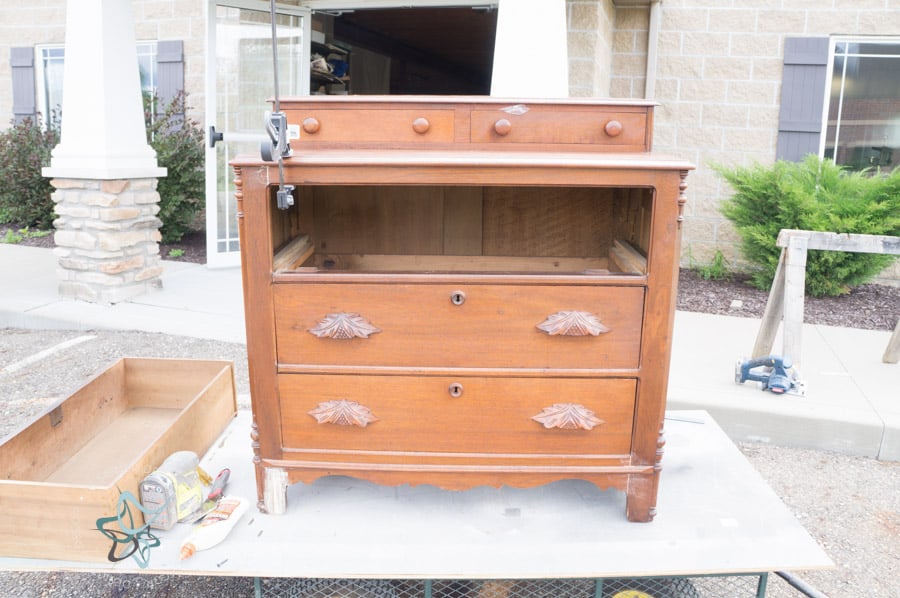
[(32, 23), (718, 81), (183, 20), (25, 24), (590, 39), (718, 77)]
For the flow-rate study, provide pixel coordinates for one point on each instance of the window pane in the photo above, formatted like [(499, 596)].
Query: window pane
[(50, 78), (50, 102), (863, 128)]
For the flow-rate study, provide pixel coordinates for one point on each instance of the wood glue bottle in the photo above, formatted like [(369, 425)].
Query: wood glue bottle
[(215, 526)]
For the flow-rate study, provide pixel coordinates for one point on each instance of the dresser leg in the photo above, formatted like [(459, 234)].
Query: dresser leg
[(640, 499), (275, 491)]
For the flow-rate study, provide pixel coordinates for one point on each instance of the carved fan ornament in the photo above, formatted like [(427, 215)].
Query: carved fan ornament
[(568, 416), (344, 326), (343, 413), (573, 323)]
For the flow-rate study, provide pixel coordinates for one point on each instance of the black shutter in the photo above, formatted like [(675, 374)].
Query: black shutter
[(802, 97), (21, 61)]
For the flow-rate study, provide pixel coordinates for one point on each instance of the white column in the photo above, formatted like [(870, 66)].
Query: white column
[(103, 135), (531, 51)]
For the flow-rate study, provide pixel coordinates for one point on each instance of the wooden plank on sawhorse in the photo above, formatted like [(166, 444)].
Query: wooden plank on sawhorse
[(788, 292)]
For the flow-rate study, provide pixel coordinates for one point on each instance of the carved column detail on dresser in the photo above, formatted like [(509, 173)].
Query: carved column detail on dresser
[(466, 292)]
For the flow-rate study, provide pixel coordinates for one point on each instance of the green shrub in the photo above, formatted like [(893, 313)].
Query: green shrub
[(179, 146), (24, 192), (717, 269), (812, 195)]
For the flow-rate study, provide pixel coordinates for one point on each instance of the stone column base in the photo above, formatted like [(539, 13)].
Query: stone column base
[(107, 238)]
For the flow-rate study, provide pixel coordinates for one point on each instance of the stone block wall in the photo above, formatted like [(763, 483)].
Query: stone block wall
[(590, 39), (107, 238)]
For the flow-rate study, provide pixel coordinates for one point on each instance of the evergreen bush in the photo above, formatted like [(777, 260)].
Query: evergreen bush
[(179, 145), (24, 193), (815, 195)]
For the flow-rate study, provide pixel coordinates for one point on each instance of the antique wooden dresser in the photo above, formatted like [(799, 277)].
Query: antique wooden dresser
[(465, 291)]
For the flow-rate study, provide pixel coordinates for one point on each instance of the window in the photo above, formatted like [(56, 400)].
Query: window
[(49, 83), (49, 61), (862, 119)]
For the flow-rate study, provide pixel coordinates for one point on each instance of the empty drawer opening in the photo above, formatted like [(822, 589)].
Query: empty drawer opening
[(489, 229)]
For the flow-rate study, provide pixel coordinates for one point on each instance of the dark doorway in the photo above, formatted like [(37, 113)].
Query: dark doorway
[(445, 51)]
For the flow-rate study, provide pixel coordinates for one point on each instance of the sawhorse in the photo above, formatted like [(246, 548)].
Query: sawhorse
[(786, 297)]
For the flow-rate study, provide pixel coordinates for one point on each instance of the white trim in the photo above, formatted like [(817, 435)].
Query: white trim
[(214, 258), (262, 6), (363, 4)]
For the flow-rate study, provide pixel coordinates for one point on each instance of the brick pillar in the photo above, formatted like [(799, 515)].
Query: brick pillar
[(107, 238)]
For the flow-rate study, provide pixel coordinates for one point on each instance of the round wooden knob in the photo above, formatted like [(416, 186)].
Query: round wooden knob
[(421, 125), (613, 128), (502, 127), (311, 125)]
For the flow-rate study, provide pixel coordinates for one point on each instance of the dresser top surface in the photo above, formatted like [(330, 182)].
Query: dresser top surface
[(304, 156), (511, 104)]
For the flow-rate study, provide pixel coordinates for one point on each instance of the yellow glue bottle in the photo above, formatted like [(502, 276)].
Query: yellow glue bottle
[(215, 526)]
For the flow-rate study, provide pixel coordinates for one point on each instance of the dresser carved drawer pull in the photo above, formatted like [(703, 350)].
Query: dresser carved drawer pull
[(344, 326), (343, 413), (573, 323), (568, 416), (502, 127)]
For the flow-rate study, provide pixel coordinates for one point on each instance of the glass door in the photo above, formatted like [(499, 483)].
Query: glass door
[(240, 85)]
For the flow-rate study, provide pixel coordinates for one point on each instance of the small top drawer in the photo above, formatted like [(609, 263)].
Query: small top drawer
[(471, 123), (613, 129), (373, 126)]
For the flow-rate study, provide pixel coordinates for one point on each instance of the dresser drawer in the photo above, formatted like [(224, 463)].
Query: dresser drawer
[(470, 415), (397, 126), (469, 325), (620, 131)]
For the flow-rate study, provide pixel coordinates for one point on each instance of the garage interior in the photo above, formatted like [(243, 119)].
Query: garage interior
[(446, 51)]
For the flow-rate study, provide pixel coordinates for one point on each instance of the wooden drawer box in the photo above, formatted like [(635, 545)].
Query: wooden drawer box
[(464, 325), (496, 414), (612, 129), (403, 126), (66, 469)]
